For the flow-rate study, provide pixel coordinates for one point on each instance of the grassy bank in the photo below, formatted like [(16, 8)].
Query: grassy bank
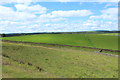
[(22, 60)]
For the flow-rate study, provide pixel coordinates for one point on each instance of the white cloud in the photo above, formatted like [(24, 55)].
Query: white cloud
[(50, 20), (16, 1), (109, 14), (10, 26), (71, 13), (30, 1), (23, 12), (111, 5), (36, 9), (57, 16), (100, 25), (17, 27), (24, 19), (84, 26), (5, 10), (110, 11), (7, 13)]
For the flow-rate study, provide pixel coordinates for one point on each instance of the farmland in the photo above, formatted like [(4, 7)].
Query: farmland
[(29, 60), (90, 40), (22, 61)]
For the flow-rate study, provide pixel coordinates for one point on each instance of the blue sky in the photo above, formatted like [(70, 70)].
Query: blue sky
[(22, 17)]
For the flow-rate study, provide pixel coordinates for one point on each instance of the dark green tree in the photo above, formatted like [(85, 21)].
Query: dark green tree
[(3, 35)]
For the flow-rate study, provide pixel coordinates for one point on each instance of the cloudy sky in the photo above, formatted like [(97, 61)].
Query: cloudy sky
[(21, 16)]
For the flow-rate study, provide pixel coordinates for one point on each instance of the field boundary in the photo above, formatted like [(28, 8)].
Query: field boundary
[(109, 50)]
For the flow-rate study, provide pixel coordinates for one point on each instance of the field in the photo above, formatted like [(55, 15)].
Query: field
[(29, 60), (112, 34), (33, 61), (90, 40)]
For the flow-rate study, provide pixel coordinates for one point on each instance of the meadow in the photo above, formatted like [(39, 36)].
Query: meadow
[(38, 61), (105, 41), (29, 60)]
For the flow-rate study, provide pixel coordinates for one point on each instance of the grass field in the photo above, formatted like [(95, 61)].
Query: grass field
[(22, 61), (105, 41), (111, 34)]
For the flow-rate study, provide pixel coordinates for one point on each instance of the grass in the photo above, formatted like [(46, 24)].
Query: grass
[(56, 62), (111, 34), (90, 40), (13, 69)]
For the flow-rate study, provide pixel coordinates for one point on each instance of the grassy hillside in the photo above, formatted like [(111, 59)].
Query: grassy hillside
[(23, 60), (112, 34), (90, 40)]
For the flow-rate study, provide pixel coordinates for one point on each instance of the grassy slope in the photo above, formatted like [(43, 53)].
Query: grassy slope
[(91, 40), (111, 34), (57, 62), (13, 69)]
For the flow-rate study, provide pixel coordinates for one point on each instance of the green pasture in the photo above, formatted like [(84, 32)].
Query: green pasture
[(90, 40), (55, 62), (114, 34)]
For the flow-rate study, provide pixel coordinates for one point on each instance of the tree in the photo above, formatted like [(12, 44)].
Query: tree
[(3, 35)]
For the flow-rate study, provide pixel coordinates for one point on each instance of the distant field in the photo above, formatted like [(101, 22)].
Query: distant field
[(90, 40), (111, 34), (22, 60)]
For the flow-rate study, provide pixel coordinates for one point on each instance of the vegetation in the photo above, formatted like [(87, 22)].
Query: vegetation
[(89, 40), (33, 61), (3, 35), (28, 60), (113, 34)]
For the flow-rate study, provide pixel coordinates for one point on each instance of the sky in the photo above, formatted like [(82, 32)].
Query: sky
[(27, 16)]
